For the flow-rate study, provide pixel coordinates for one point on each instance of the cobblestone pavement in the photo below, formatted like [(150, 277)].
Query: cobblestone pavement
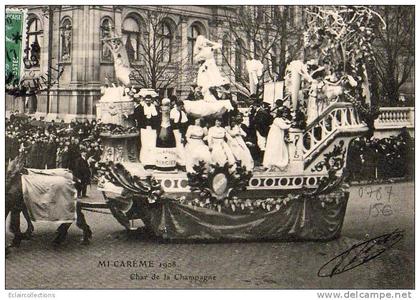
[(37, 264)]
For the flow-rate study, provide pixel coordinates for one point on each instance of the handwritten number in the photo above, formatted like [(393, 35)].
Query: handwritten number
[(389, 192), (369, 191), (378, 194)]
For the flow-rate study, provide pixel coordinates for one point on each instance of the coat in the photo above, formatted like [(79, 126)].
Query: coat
[(262, 120), (81, 170)]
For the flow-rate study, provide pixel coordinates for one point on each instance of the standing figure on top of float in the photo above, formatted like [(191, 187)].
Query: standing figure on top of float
[(195, 148), (208, 74), (238, 146), (149, 121), (220, 151), (179, 120), (277, 154)]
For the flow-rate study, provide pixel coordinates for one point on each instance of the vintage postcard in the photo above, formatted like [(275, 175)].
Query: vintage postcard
[(209, 147)]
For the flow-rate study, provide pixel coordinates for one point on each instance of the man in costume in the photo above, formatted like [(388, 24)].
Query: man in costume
[(147, 120), (179, 121)]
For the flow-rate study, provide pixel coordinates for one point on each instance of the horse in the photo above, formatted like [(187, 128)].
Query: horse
[(14, 201), (15, 205)]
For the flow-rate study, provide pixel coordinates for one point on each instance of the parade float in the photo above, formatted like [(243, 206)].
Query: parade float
[(307, 199)]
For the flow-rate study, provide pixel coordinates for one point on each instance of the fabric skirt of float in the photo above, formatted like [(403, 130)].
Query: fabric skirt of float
[(201, 108), (305, 217)]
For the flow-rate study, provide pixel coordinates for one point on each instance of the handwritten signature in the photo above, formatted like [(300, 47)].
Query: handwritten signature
[(359, 254)]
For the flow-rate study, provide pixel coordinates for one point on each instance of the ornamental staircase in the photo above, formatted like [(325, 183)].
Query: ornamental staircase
[(340, 120), (325, 138)]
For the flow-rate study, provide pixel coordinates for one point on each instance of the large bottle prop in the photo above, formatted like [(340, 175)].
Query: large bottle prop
[(166, 155)]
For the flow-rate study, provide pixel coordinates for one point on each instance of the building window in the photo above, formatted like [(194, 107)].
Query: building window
[(33, 43), (106, 30), (239, 61), (291, 15), (258, 54), (131, 38), (193, 32), (165, 40), (227, 48), (65, 40), (274, 60), (259, 13)]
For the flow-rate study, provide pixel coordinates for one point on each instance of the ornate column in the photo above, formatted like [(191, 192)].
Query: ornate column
[(183, 53)]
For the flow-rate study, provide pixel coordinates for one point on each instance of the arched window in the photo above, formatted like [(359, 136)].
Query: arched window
[(193, 32), (239, 59), (33, 43), (106, 29), (165, 41), (227, 48), (131, 38), (65, 40)]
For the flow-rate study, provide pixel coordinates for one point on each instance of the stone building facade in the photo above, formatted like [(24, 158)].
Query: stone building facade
[(69, 38)]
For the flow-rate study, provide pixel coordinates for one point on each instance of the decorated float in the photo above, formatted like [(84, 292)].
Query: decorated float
[(306, 199)]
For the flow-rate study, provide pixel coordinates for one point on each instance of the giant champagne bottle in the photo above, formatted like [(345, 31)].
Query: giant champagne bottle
[(166, 156)]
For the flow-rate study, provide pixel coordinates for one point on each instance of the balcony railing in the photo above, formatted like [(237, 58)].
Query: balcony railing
[(395, 118)]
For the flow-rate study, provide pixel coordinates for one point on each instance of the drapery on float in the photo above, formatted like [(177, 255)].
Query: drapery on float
[(213, 213)]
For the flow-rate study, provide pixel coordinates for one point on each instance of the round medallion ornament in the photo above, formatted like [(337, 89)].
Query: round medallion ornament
[(219, 183)]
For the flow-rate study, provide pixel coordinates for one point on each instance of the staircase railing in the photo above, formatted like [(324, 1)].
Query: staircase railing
[(340, 116)]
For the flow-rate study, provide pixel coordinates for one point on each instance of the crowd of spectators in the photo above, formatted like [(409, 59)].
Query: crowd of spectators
[(49, 145), (387, 158)]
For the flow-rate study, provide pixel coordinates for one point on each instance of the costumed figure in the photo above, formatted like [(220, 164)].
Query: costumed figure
[(195, 147), (294, 73), (237, 145), (220, 150), (148, 121), (121, 61), (277, 154), (255, 68), (262, 120), (208, 74), (312, 111), (179, 122)]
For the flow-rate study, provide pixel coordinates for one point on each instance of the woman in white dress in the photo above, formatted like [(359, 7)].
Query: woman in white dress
[(220, 151), (276, 151), (208, 74), (195, 148), (238, 146)]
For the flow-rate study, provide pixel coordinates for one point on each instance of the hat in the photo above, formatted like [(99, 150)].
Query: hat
[(166, 101)]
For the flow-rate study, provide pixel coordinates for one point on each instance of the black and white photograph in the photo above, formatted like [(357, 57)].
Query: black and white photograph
[(209, 146)]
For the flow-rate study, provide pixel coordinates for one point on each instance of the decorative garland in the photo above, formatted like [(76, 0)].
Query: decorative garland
[(342, 37), (202, 181), (133, 186)]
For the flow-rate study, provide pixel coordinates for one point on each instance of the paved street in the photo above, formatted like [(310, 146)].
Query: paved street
[(372, 211)]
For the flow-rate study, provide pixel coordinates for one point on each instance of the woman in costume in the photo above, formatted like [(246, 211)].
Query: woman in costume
[(195, 148), (276, 152), (220, 151), (238, 146), (208, 73)]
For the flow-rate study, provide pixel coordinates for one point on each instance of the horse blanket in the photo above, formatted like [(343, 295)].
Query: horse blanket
[(50, 195)]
